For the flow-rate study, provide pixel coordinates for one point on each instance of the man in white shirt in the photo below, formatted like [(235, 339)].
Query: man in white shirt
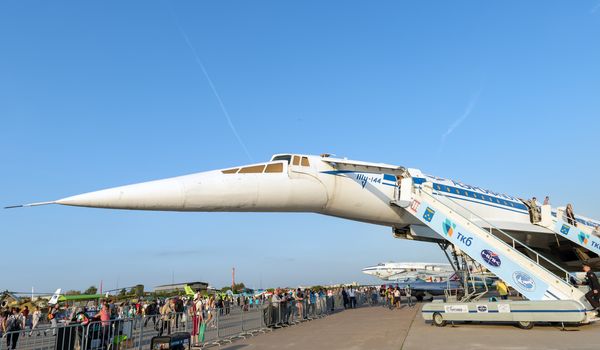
[(397, 300), (276, 303), (352, 296)]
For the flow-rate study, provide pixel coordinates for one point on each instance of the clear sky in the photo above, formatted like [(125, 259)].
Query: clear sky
[(499, 94)]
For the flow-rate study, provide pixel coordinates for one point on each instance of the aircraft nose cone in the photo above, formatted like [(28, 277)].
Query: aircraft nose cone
[(167, 194), (369, 270)]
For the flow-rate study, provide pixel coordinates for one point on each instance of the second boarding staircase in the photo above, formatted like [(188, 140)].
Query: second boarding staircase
[(581, 235), (487, 246)]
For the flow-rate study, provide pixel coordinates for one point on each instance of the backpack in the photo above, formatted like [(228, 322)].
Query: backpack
[(179, 306), (13, 324)]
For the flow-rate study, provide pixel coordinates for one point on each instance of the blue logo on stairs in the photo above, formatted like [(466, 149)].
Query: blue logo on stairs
[(428, 215)]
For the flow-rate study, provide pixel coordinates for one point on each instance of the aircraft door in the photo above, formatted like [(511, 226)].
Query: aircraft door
[(405, 186)]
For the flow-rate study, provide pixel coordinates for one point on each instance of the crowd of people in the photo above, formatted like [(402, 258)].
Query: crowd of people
[(283, 304), (163, 314), (193, 313), (392, 296)]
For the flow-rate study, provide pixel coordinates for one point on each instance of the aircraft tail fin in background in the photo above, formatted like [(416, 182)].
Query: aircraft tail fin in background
[(54, 299)]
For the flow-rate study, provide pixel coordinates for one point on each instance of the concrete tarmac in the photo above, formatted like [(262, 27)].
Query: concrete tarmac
[(380, 328)]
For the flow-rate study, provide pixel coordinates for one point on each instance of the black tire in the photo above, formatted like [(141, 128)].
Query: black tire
[(438, 319), (525, 324), (419, 297)]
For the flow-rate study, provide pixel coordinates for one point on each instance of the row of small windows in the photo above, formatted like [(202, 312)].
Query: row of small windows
[(270, 168), (484, 197)]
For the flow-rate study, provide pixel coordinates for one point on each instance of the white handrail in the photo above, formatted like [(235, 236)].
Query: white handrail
[(492, 227)]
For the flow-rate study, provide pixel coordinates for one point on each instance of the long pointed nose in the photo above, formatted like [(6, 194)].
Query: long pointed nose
[(211, 191), (167, 194), (371, 270)]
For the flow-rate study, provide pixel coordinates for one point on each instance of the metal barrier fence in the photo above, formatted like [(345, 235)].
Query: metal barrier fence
[(221, 326)]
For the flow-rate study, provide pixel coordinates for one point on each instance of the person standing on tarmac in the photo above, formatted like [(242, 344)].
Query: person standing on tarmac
[(397, 298), (502, 289), (592, 281), (165, 318), (408, 293)]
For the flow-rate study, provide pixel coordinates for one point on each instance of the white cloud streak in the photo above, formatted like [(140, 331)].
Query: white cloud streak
[(461, 119), (212, 87)]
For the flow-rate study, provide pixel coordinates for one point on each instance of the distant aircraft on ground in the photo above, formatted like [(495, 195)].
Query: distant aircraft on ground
[(58, 297), (393, 271)]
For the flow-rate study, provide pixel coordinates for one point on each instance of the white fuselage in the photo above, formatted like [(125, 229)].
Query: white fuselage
[(303, 183), (391, 271)]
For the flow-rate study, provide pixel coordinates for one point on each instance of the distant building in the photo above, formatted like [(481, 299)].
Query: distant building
[(179, 287)]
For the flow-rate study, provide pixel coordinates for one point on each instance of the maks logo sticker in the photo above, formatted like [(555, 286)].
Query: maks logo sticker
[(491, 258), (565, 229), (524, 280), (449, 227), (583, 238)]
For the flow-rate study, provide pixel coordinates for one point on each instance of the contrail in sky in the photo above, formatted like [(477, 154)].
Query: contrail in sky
[(461, 119), (212, 86)]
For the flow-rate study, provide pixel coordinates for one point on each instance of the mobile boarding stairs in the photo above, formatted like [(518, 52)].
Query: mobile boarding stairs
[(551, 296), (581, 235)]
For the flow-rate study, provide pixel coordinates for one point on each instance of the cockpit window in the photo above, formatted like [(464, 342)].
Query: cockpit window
[(252, 169), (305, 161), (230, 171), (286, 158), (296, 160), (274, 168)]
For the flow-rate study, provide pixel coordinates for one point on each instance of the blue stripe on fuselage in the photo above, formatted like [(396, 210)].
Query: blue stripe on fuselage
[(389, 177), (479, 196), (455, 192)]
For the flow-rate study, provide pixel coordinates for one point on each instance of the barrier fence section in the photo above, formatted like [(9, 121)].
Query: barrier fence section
[(220, 326)]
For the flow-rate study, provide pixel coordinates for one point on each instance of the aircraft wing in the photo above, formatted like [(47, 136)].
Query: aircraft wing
[(402, 276), (367, 167)]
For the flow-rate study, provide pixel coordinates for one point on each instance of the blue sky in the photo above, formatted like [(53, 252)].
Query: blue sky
[(500, 94)]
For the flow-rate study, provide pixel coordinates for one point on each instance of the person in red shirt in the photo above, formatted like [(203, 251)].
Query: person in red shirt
[(104, 317)]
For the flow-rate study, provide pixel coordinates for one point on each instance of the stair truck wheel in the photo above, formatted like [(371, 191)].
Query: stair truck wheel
[(525, 324), (438, 320)]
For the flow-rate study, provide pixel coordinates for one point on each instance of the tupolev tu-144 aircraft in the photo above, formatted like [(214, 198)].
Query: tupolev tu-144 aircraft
[(354, 190)]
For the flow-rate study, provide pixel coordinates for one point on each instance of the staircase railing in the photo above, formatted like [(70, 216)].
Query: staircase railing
[(494, 231)]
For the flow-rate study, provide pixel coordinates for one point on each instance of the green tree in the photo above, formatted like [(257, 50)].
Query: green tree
[(139, 290), (238, 287), (91, 290)]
